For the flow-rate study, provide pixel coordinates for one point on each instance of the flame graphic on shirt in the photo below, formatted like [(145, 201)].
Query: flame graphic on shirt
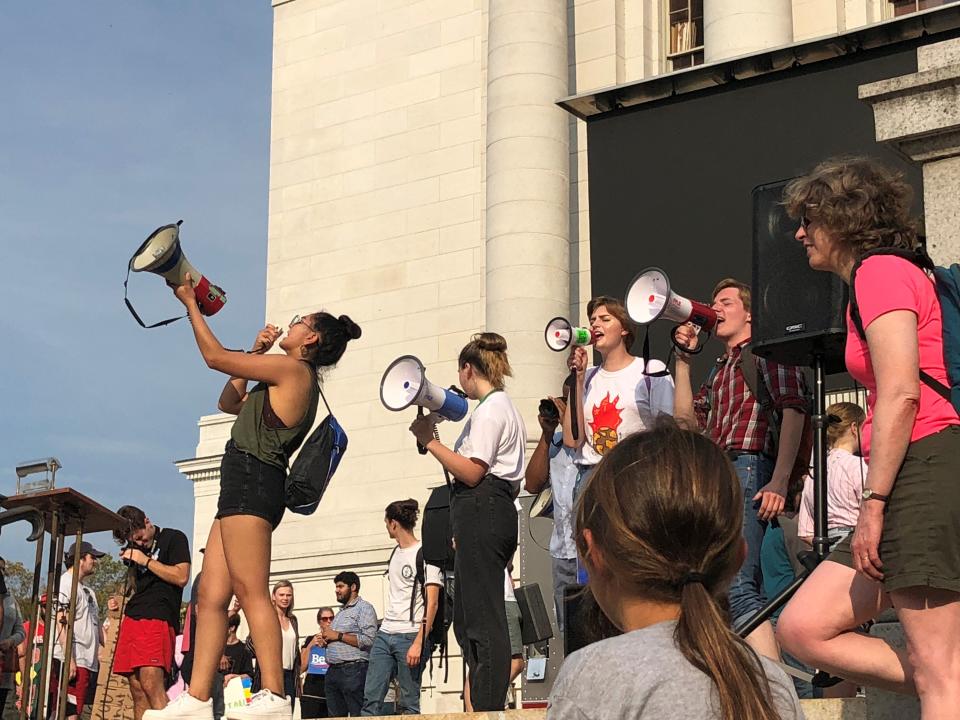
[(606, 420)]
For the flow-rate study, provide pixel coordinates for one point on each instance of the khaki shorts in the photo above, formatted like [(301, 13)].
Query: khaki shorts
[(513, 627), (920, 545)]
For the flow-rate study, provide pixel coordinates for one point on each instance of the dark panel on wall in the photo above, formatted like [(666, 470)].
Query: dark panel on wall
[(671, 182)]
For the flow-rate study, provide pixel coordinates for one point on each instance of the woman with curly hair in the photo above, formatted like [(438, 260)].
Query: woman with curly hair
[(905, 549)]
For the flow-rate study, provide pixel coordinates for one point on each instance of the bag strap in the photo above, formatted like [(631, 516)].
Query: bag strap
[(418, 577), (324, 398), (755, 381)]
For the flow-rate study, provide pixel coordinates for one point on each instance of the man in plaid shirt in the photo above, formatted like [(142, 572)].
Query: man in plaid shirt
[(728, 413)]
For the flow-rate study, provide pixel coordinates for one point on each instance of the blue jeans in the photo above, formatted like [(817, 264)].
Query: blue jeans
[(388, 659), (746, 590), (344, 688), (564, 573), (583, 474)]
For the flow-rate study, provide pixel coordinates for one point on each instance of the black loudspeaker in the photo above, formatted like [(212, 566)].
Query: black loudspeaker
[(797, 313), (436, 530), (535, 626)]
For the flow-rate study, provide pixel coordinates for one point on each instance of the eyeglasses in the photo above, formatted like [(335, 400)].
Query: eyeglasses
[(804, 222), (325, 618), (297, 320)]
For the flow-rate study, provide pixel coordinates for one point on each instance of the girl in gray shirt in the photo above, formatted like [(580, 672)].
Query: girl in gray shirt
[(659, 530)]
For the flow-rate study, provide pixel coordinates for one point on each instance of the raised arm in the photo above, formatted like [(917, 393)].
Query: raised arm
[(538, 469), (683, 387), (274, 369)]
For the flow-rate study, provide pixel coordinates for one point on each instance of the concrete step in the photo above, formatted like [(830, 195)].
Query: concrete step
[(837, 709)]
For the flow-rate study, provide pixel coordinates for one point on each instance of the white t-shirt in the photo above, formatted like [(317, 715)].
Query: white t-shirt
[(508, 594), (618, 404), (291, 646), (495, 434), (401, 574), (86, 624)]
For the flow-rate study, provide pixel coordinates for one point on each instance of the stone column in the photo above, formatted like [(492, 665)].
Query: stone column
[(739, 27), (919, 116), (527, 190)]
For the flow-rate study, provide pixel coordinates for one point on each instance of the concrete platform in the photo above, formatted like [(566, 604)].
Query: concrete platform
[(847, 709)]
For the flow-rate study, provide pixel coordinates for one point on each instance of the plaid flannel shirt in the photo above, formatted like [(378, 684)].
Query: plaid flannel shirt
[(729, 414)]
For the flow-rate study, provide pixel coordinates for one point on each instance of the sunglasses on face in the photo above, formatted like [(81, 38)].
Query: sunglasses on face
[(297, 320), (805, 222)]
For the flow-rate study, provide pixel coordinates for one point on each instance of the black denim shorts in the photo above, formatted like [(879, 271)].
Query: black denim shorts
[(249, 486)]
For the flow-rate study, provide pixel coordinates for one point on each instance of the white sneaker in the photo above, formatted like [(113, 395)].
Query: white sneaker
[(262, 706), (183, 707)]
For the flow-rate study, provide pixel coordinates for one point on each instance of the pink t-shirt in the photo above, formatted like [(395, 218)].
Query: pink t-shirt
[(845, 473), (886, 283)]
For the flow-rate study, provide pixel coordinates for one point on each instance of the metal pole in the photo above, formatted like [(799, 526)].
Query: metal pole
[(821, 543), (49, 634), (71, 616), (26, 681)]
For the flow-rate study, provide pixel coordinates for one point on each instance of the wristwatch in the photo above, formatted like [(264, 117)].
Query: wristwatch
[(339, 636), (869, 494)]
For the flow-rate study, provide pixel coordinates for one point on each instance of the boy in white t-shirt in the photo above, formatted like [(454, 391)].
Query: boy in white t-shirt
[(402, 645)]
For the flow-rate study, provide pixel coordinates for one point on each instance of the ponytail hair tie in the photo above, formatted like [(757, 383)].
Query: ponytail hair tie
[(693, 577)]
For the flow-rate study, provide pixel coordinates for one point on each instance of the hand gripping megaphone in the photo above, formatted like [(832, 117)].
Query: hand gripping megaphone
[(649, 297), (162, 255), (560, 334), (405, 383)]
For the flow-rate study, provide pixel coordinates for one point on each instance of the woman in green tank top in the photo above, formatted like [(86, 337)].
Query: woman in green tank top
[(273, 418)]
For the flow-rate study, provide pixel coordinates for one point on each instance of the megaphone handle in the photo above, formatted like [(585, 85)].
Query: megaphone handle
[(681, 348), (574, 422), (420, 448)]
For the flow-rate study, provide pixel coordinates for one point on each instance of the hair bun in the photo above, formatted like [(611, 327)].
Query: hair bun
[(491, 341), (353, 330)]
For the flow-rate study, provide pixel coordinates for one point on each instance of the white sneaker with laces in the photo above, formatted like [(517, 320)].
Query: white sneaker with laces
[(183, 707), (262, 706)]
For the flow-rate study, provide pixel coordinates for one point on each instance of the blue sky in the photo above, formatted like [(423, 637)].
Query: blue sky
[(119, 117)]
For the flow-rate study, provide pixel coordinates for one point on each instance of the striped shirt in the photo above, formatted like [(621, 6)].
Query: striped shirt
[(729, 414), (360, 619)]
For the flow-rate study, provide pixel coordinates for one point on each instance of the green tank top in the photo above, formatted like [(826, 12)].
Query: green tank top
[(273, 445)]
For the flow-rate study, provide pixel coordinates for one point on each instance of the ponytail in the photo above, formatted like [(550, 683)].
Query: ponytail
[(706, 641)]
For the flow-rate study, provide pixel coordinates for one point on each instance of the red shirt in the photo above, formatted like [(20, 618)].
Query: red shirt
[(729, 414)]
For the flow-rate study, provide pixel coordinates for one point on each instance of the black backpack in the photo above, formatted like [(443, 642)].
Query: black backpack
[(319, 457)]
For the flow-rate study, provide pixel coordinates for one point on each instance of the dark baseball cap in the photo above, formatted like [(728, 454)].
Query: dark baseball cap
[(85, 549)]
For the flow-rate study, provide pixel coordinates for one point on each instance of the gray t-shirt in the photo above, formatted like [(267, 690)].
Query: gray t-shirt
[(642, 674)]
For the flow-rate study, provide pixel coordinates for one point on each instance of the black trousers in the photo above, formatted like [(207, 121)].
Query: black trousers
[(485, 529)]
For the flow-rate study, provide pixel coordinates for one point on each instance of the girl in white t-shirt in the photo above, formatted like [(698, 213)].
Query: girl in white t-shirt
[(618, 398), (487, 464)]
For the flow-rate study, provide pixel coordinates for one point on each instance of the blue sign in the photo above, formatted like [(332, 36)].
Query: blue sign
[(317, 662)]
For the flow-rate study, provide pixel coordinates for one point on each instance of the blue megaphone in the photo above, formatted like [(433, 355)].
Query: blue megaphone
[(405, 383)]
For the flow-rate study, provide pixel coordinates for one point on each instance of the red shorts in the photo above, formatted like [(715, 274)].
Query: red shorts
[(143, 643), (78, 690)]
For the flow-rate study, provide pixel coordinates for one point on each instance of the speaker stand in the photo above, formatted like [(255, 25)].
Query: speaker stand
[(821, 543)]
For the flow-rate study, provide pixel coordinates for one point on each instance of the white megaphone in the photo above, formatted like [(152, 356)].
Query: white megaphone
[(405, 383), (650, 298), (161, 255), (560, 335)]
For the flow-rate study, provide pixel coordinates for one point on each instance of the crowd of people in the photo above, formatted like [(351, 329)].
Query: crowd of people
[(682, 506)]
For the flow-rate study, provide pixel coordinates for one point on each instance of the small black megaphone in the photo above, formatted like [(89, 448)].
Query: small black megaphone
[(162, 255)]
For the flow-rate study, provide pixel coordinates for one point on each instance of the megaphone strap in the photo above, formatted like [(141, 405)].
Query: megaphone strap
[(134, 312)]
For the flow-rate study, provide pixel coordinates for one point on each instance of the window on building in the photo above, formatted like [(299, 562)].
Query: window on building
[(905, 7), (685, 41)]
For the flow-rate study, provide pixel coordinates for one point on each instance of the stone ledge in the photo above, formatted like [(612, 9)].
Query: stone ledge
[(837, 709)]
